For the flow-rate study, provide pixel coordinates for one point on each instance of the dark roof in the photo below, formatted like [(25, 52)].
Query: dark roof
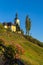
[(4, 23), (9, 23)]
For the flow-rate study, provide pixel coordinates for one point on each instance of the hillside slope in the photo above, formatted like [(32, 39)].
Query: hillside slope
[(33, 53)]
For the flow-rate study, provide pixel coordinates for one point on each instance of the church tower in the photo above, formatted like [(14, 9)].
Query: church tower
[(17, 21)]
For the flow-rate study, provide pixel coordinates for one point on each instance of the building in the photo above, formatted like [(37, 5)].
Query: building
[(14, 27)]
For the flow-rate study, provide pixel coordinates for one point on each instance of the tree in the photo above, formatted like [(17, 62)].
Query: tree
[(22, 31), (27, 25)]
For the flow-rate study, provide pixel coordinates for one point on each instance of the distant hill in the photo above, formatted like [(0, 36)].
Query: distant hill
[(33, 52)]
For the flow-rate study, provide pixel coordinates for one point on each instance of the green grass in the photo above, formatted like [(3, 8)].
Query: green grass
[(33, 53)]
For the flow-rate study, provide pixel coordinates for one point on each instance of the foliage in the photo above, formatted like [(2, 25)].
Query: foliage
[(1, 42), (27, 24), (8, 29), (12, 53), (22, 32), (32, 54), (33, 40), (1, 26), (19, 49)]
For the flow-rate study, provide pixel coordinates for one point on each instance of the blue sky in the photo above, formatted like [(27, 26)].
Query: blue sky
[(34, 8)]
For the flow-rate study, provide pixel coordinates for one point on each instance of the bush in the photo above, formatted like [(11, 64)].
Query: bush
[(33, 40), (11, 53)]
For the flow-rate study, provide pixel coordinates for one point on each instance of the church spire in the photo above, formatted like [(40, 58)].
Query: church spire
[(16, 15), (17, 21)]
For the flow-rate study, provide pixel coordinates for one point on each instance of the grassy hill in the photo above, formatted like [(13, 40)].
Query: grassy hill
[(33, 53)]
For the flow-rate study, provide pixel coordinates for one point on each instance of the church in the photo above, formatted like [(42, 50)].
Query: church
[(14, 27)]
